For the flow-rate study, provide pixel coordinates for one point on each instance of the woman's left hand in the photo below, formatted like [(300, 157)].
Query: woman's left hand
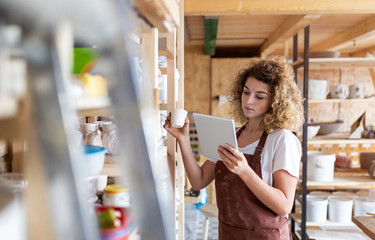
[(233, 159)]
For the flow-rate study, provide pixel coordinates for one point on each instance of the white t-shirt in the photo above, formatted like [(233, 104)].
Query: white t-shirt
[(282, 150)]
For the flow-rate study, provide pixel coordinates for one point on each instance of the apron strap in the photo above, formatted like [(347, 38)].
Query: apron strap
[(259, 148), (240, 131)]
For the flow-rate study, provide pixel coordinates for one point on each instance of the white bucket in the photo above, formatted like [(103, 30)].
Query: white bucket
[(316, 208), (340, 209), (320, 166), (320, 193), (363, 205), (347, 194)]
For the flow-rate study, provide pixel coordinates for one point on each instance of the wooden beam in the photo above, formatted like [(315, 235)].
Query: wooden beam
[(342, 39), (292, 25), (210, 33), (162, 14), (260, 7), (186, 32), (363, 52), (372, 73)]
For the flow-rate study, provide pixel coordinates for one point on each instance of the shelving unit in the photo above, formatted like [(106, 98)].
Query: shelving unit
[(342, 181), (53, 162)]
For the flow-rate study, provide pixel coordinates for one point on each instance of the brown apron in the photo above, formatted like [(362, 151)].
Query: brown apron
[(241, 215)]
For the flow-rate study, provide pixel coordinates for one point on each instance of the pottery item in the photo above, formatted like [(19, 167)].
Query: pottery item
[(317, 89), (365, 158), (356, 91), (325, 54), (340, 91), (327, 127), (312, 131)]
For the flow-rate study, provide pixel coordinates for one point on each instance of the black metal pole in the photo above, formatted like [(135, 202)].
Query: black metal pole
[(304, 141), (295, 55)]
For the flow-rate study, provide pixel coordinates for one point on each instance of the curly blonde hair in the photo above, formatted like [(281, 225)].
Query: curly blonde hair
[(286, 111)]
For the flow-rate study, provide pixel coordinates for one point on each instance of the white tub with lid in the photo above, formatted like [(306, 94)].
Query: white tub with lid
[(347, 194), (363, 205), (320, 166), (316, 208), (340, 209)]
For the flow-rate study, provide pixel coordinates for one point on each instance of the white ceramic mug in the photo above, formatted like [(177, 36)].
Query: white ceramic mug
[(356, 90), (339, 91), (178, 117)]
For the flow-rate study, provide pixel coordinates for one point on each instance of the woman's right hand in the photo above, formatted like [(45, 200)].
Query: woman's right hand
[(178, 133)]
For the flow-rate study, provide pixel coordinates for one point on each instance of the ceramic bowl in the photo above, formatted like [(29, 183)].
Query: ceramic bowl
[(327, 127), (325, 54), (312, 131)]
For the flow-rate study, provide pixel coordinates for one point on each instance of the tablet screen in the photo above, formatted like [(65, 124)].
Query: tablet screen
[(214, 131)]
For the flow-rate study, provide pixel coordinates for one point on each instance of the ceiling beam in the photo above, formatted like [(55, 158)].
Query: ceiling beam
[(292, 25), (186, 32), (210, 33), (243, 7), (363, 52), (342, 39)]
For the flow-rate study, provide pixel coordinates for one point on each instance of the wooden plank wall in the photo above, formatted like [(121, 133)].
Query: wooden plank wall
[(197, 80), (348, 112)]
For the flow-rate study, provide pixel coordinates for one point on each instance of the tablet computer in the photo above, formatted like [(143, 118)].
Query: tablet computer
[(212, 132)]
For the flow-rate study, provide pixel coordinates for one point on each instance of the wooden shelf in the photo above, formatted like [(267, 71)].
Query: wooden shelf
[(342, 183), (354, 100), (338, 138), (337, 62), (111, 169), (93, 106), (189, 199), (13, 115), (297, 218), (366, 224), (163, 70), (166, 53), (163, 106)]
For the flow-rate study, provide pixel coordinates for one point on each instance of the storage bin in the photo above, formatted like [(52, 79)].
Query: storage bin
[(320, 166), (340, 209), (316, 208), (363, 205)]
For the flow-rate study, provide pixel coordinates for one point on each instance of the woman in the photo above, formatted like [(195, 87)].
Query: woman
[(255, 185)]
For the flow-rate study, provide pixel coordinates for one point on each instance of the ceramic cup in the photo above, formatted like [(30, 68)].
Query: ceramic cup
[(339, 91), (356, 91), (178, 117), (87, 128)]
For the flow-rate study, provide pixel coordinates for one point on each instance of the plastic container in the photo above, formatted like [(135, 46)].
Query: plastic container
[(320, 166), (316, 208), (347, 194), (363, 205), (95, 157), (320, 193), (126, 228), (340, 209), (116, 195)]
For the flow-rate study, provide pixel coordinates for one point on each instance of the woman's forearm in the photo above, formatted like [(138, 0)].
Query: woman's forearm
[(195, 173), (278, 199)]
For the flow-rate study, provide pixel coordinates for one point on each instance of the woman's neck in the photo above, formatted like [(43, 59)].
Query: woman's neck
[(254, 126)]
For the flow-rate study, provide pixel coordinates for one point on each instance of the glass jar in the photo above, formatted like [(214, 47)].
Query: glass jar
[(116, 195)]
